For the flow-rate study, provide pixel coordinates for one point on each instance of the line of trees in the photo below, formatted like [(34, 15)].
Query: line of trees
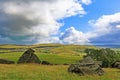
[(107, 56)]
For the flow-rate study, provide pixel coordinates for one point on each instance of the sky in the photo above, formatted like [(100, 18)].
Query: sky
[(84, 22)]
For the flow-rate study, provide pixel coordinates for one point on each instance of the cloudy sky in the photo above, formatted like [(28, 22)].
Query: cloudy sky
[(95, 22)]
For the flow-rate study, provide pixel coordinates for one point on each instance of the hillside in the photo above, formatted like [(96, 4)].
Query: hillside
[(57, 54), (54, 53)]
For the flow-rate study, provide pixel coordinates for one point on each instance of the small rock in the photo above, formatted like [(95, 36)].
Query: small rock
[(46, 63), (4, 61)]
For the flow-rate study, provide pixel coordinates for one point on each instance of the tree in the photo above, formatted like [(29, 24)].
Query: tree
[(107, 56)]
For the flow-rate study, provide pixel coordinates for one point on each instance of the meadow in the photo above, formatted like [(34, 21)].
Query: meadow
[(54, 53), (45, 72)]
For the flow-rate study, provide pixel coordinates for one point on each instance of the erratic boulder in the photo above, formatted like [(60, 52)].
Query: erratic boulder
[(46, 63), (116, 65), (29, 57), (4, 61), (86, 67)]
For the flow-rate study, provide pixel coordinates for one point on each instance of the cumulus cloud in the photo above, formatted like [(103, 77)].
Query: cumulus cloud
[(106, 29), (106, 23), (36, 21), (72, 36), (35, 18), (87, 2), (118, 26)]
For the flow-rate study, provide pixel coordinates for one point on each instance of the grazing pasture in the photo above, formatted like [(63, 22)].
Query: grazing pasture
[(56, 54), (48, 72)]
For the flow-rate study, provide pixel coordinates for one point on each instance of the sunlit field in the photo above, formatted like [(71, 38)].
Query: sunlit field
[(45, 72), (56, 54)]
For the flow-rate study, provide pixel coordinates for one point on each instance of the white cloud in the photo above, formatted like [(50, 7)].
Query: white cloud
[(36, 17), (105, 24), (118, 26), (49, 40), (106, 29), (38, 21), (72, 36), (36, 40), (87, 2)]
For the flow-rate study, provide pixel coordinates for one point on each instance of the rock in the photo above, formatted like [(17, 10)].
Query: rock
[(87, 60), (65, 64), (116, 65), (86, 67), (99, 63), (46, 63), (4, 61), (29, 57)]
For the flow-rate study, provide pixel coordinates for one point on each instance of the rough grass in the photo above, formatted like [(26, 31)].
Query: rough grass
[(56, 72), (53, 53), (14, 56), (52, 58), (59, 59)]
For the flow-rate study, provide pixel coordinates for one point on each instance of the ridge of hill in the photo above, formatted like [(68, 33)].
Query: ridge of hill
[(53, 53)]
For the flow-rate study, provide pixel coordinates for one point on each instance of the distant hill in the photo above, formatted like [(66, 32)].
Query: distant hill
[(47, 48), (53, 53)]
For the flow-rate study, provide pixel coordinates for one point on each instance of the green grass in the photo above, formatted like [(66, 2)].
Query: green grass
[(56, 72), (14, 56), (59, 59), (52, 58), (53, 53)]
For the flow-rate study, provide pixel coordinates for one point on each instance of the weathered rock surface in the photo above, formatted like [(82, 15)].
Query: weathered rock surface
[(46, 63), (29, 57), (116, 65), (4, 61), (86, 67)]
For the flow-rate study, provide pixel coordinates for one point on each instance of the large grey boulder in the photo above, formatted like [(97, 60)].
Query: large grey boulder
[(86, 67), (29, 57), (4, 61), (116, 65)]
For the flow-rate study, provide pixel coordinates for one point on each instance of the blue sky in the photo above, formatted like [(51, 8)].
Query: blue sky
[(95, 22), (94, 11)]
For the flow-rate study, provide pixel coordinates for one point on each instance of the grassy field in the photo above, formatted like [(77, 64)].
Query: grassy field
[(52, 58), (53, 53), (43, 72)]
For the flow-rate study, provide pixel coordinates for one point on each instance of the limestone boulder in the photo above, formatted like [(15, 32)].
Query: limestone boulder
[(29, 57), (5, 61), (46, 63), (116, 64), (87, 66)]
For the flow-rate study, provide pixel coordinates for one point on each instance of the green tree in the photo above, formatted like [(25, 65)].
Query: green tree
[(107, 56)]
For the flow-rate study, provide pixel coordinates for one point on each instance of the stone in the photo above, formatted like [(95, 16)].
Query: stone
[(87, 60), (65, 64), (4, 61), (99, 63), (87, 66), (116, 64), (29, 57), (46, 63)]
